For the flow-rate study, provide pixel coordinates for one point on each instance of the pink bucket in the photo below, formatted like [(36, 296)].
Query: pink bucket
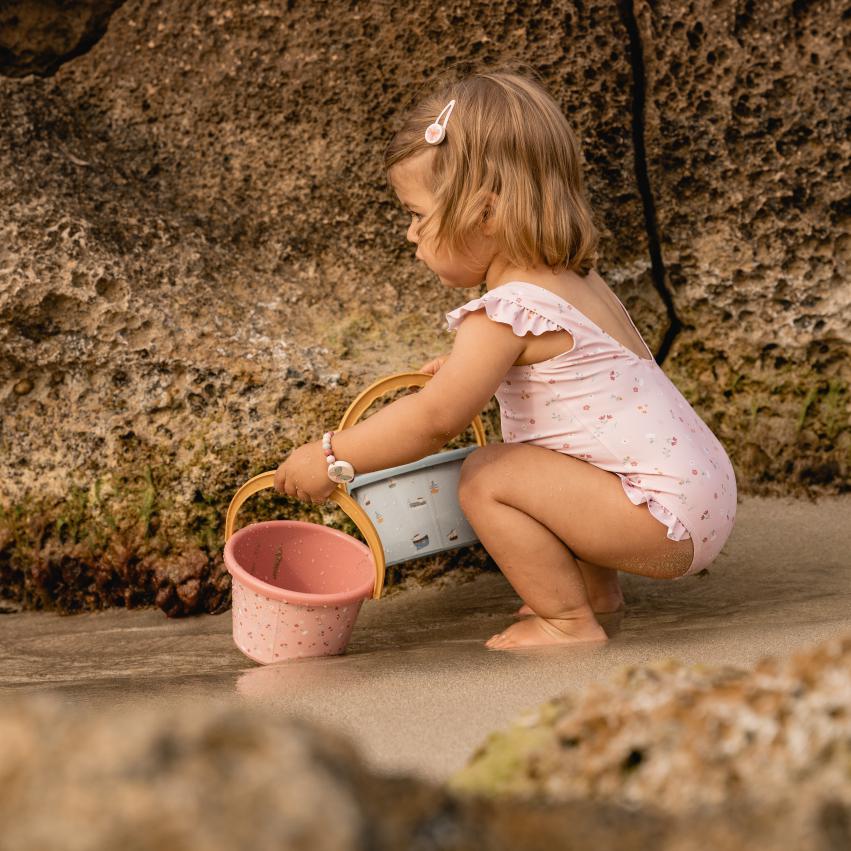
[(298, 587)]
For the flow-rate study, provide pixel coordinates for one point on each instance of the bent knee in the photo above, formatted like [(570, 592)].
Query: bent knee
[(480, 473)]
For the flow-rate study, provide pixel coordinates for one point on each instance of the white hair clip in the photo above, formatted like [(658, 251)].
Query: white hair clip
[(435, 133)]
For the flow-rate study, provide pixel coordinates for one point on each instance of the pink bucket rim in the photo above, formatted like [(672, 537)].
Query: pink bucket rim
[(272, 592)]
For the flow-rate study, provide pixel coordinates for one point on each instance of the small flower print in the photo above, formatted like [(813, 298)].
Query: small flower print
[(642, 409), (705, 514), (586, 407), (651, 437), (613, 375)]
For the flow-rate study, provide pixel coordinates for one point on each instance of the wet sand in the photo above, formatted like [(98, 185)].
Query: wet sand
[(417, 689)]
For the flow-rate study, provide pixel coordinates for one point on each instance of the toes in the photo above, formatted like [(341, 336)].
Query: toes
[(502, 640), (495, 640)]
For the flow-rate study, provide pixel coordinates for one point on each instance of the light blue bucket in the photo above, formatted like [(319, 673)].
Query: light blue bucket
[(415, 508)]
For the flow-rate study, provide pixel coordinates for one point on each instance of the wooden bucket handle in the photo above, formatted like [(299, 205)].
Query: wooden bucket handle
[(340, 494)]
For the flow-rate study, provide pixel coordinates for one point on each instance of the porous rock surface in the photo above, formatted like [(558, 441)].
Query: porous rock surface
[(679, 737), (201, 264), (748, 157)]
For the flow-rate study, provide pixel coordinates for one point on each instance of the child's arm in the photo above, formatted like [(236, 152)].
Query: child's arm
[(421, 423)]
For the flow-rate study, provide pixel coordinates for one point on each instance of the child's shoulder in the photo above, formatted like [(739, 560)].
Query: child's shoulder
[(518, 304)]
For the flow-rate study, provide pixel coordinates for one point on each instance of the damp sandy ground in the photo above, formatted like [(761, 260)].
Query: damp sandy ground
[(417, 689)]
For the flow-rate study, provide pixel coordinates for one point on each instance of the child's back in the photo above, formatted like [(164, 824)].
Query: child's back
[(593, 298), (587, 385)]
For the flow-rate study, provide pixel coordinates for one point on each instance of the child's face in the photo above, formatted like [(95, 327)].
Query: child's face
[(409, 179)]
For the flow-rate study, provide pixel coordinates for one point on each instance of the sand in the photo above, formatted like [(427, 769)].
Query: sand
[(417, 689)]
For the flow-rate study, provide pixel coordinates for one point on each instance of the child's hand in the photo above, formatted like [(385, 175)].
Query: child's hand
[(433, 365), (304, 474)]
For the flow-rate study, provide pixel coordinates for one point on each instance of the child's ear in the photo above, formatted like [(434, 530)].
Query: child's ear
[(488, 214)]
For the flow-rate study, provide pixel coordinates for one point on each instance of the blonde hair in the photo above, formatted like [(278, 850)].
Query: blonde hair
[(506, 135)]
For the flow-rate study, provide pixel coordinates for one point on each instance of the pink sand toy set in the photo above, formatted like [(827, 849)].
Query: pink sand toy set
[(297, 587)]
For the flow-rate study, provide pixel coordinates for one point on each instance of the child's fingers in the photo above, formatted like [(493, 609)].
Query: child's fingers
[(279, 482), (284, 486)]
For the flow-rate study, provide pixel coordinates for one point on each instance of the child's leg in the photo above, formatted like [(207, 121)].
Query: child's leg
[(602, 585), (535, 511)]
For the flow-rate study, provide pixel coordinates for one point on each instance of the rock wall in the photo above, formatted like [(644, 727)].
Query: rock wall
[(201, 265), (746, 111)]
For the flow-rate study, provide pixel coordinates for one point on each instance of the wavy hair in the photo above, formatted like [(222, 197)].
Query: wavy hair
[(506, 135)]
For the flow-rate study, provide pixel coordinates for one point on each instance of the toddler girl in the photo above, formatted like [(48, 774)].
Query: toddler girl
[(605, 465)]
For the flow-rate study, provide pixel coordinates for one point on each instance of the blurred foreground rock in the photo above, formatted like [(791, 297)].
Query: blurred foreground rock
[(226, 775), (679, 737)]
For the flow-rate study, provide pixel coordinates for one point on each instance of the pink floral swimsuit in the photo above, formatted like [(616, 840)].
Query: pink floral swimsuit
[(602, 403)]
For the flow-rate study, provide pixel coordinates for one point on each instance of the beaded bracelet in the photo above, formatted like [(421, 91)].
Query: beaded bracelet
[(338, 471)]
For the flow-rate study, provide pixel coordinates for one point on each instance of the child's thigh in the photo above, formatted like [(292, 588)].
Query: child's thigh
[(581, 504)]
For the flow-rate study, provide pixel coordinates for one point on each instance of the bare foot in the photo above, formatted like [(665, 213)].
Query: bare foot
[(536, 631), (599, 605)]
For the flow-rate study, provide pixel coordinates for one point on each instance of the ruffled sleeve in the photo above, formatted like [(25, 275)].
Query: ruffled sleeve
[(506, 308)]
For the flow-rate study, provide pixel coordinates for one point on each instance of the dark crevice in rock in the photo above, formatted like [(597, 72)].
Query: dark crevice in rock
[(657, 266), (39, 38)]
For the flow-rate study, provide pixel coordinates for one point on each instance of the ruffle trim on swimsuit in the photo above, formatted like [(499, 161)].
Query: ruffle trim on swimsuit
[(676, 530), (521, 319)]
